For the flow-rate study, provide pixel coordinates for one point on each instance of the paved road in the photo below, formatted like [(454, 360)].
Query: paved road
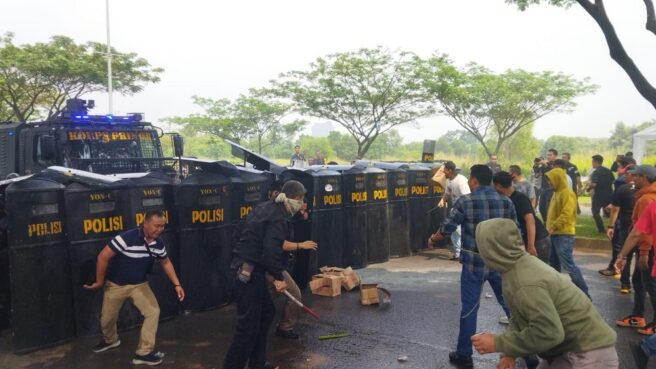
[(420, 323)]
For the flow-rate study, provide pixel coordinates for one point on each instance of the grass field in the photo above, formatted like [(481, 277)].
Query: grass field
[(585, 227)]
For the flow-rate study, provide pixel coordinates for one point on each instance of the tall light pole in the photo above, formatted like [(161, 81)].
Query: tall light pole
[(109, 63)]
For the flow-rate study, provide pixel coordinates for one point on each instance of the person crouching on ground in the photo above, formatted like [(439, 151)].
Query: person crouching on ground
[(550, 316), (259, 251)]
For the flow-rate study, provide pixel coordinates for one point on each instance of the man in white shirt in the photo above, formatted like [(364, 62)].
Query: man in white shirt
[(456, 186)]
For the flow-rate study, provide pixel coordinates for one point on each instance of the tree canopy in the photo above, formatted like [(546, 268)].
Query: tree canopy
[(368, 92), (621, 138), (37, 79), (597, 11), (493, 107), (254, 116)]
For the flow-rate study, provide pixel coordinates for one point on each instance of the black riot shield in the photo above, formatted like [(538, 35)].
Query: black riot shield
[(204, 202), (154, 191), (377, 223), (41, 294), (97, 209), (420, 206)]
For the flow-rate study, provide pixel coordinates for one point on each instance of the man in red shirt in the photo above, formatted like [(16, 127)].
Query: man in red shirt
[(646, 224)]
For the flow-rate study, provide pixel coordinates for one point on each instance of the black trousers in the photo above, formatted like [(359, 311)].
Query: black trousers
[(622, 229), (598, 203), (255, 311), (543, 204)]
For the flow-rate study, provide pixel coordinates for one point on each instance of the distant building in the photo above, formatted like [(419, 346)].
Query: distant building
[(322, 129)]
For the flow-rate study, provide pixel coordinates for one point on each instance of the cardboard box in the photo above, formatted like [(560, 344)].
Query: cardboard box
[(369, 294), (326, 285), (349, 277)]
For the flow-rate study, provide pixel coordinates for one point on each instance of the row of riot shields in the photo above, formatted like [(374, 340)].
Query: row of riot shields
[(363, 214), (60, 219)]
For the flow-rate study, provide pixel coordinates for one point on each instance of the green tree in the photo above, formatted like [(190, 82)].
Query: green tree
[(597, 10), (574, 145), (368, 92), (621, 139), (494, 107), (263, 116), (37, 79), (520, 148), (256, 118), (310, 145), (457, 142), (217, 119), (344, 145), (386, 146)]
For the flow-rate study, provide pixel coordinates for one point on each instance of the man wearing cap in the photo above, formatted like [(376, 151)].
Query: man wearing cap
[(646, 225), (258, 251), (644, 177)]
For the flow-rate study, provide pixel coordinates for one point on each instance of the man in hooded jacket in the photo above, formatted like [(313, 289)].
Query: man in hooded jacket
[(561, 225), (549, 315)]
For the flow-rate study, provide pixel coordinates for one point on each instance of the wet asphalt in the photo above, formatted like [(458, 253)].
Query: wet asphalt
[(421, 323)]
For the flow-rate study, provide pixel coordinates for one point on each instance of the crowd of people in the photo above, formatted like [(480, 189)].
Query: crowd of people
[(516, 234), (505, 243)]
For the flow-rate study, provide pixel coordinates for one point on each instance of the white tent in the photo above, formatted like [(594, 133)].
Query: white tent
[(640, 141)]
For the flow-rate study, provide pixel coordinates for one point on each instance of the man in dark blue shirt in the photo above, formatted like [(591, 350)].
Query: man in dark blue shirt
[(481, 204), (124, 264)]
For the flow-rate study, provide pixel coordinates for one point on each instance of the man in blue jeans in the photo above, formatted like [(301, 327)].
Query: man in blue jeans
[(481, 204), (561, 225)]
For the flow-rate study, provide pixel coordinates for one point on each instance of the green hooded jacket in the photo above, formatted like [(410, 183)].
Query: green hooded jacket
[(549, 314), (561, 214)]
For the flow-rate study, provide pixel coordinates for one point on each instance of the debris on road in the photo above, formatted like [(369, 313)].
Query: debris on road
[(333, 336)]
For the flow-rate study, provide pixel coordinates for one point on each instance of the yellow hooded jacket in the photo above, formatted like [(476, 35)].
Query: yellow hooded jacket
[(561, 215)]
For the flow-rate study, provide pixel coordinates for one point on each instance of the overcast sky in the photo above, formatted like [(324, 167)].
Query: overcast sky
[(221, 48)]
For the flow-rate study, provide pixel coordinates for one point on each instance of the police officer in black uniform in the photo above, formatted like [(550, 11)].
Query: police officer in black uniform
[(257, 252)]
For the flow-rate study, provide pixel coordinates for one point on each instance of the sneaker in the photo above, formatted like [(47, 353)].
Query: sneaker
[(152, 359), (104, 346), (607, 272), (641, 359), (649, 329), (289, 334), (455, 257), (504, 320), (633, 321), (625, 290), (465, 362)]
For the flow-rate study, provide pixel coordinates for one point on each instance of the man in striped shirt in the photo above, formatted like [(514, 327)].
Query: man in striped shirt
[(124, 264)]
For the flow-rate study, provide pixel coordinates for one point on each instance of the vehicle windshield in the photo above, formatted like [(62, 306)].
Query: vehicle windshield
[(110, 145)]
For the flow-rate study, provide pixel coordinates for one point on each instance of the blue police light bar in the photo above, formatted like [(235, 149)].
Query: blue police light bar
[(107, 118)]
